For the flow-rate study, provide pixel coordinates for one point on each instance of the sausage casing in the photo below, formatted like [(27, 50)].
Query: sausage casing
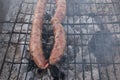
[(59, 33), (36, 35)]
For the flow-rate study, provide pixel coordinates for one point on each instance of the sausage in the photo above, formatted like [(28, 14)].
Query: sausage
[(36, 36), (59, 33), (59, 44), (59, 12)]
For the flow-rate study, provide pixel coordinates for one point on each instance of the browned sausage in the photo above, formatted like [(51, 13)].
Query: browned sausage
[(59, 44), (59, 12), (59, 33), (36, 35)]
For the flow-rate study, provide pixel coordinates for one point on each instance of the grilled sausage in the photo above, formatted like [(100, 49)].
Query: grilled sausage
[(36, 36), (60, 40), (59, 12)]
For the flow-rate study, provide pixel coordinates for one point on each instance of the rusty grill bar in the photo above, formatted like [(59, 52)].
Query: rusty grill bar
[(82, 21)]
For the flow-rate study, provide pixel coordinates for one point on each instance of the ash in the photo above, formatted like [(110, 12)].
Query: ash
[(92, 34)]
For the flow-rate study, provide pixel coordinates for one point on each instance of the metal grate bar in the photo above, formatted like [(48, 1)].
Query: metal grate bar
[(24, 46), (10, 40), (16, 51), (79, 3)]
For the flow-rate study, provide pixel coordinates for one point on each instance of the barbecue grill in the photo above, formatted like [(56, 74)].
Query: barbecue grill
[(93, 41)]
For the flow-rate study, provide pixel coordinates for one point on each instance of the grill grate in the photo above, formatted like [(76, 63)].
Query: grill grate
[(93, 41)]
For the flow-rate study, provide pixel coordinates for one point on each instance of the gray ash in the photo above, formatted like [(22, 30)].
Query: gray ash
[(47, 37), (102, 46), (56, 73), (48, 41)]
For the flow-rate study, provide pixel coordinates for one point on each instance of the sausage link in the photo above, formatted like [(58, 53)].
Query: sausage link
[(59, 12), (59, 44), (36, 35), (59, 33)]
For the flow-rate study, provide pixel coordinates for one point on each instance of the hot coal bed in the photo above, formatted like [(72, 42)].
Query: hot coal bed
[(93, 41)]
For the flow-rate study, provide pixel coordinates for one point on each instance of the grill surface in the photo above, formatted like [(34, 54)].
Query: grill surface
[(93, 39)]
